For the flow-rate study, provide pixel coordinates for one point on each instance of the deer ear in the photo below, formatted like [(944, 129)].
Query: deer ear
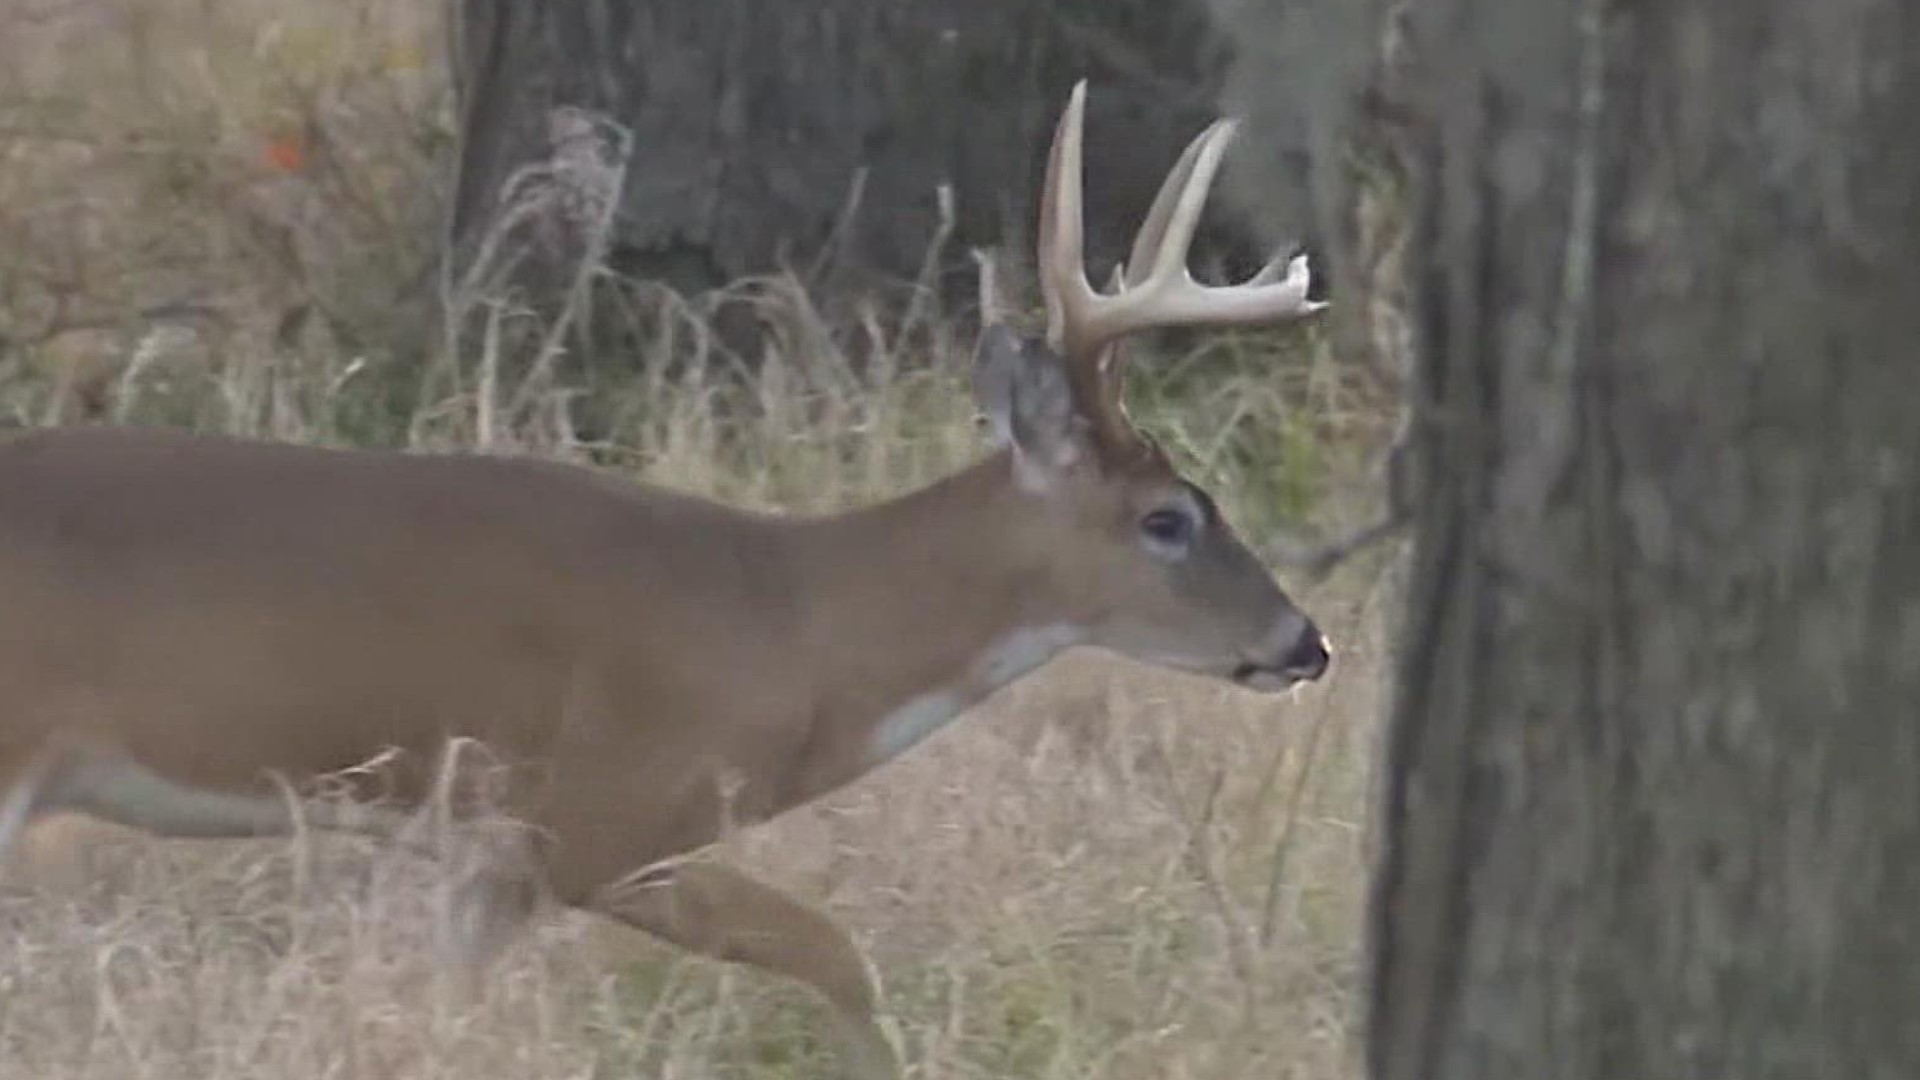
[(1023, 390)]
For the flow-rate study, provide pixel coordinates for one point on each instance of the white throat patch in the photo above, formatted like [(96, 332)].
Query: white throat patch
[(1008, 658)]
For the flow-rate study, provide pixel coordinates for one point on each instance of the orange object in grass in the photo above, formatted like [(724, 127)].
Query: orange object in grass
[(286, 153)]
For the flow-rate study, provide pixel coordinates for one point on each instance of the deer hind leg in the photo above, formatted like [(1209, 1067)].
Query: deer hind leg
[(716, 911), (18, 795), (30, 787)]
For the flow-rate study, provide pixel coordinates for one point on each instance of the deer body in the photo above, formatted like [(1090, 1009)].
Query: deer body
[(188, 623), (298, 611)]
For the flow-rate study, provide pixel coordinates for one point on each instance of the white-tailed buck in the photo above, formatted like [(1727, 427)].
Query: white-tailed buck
[(190, 624)]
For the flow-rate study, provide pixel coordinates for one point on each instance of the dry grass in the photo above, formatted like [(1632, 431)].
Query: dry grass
[(1104, 872)]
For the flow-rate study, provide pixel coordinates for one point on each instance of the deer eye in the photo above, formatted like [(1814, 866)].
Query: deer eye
[(1169, 528)]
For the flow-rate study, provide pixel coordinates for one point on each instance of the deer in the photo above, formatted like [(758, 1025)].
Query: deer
[(194, 626)]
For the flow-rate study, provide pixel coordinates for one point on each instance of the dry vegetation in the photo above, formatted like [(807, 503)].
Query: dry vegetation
[(222, 213)]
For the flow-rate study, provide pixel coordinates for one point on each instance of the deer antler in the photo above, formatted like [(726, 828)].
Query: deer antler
[(1154, 288)]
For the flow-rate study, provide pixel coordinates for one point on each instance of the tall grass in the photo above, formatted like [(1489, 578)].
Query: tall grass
[(1105, 872)]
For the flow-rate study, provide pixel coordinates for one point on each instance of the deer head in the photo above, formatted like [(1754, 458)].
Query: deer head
[(1150, 567)]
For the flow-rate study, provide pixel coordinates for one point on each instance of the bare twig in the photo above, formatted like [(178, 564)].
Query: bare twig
[(926, 285), (1320, 560)]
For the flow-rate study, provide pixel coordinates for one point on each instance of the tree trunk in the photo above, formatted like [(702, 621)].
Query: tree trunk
[(819, 132), (1652, 808)]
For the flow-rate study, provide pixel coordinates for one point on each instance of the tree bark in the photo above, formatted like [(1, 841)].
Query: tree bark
[(767, 135), (1652, 809)]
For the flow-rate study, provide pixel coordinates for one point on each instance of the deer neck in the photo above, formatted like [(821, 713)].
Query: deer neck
[(918, 609)]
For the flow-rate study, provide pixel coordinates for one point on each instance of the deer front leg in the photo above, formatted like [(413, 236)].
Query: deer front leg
[(713, 910), (489, 904)]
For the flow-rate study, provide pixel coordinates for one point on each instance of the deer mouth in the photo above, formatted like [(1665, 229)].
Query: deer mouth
[(1306, 662), (1266, 680)]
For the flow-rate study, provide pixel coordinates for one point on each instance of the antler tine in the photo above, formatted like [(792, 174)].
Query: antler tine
[(1175, 214), (1153, 228), (1062, 246)]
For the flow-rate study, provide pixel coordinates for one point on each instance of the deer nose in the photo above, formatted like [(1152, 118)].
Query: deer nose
[(1309, 657)]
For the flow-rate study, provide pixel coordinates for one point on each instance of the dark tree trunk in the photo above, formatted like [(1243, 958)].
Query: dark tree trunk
[(753, 123), (1652, 809)]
